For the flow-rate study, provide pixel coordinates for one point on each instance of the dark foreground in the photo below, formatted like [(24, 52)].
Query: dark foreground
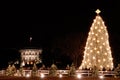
[(56, 78)]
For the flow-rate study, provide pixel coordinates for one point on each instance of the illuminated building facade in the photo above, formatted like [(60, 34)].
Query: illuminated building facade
[(30, 56)]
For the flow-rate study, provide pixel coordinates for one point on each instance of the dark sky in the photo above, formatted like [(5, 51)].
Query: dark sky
[(46, 22)]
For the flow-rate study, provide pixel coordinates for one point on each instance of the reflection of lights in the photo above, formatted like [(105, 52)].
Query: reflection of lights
[(42, 75), (60, 75), (101, 77), (79, 76), (28, 75)]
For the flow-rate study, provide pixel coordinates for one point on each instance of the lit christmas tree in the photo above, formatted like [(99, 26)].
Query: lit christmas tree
[(97, 50)]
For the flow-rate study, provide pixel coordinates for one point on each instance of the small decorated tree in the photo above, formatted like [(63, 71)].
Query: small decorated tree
[(14, 70), (21, 70), (53, 70), (34, 70), (72, 70), (8, 70), (67, 67), (11, 70), (117, 71)]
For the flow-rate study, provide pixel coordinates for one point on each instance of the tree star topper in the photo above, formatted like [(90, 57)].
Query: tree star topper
[(97, 11)]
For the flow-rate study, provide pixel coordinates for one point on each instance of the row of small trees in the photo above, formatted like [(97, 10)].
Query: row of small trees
[(11, 70)]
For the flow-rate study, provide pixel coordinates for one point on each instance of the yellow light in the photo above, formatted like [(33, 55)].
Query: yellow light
[(89, 63), (91, 50), (88, 54), (98, 60), (89, 33), (98, 51), (106, 34), (110, 58), (94, 20), (104, 60), (103, 23), (91, 43), (91, 28), (99, 30), (31, 62), (88, 60), (99, 17), (103, 43), (92, 32), (108, 66), (101, 66), (93, 57), (95, 48), (95, 27), (98, 22), (100, 47), (101, 27), (105, 53), (98, 41), (107, 48), (102, 38), (93, 38), (27, 62)]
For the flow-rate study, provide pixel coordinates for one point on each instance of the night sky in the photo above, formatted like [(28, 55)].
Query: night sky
[(58, 29)]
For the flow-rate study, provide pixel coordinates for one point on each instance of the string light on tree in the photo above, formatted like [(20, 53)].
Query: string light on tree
[(97, 50)]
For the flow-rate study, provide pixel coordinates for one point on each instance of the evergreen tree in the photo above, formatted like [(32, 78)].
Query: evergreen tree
[(117, 71), (97, 50), (72, 70), (53, 70), (34, 70)]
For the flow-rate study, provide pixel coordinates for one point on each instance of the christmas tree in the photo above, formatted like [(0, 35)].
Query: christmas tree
[(34, 70), (72, 70), (53, 70), (117, 71), (97, 50)]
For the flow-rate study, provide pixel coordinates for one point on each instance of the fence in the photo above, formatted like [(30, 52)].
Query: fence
[(63, 72)]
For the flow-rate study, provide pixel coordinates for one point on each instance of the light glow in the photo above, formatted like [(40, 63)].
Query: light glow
[(42, 75), (27, 75), (101, 77), (60, 75), (79, 76)]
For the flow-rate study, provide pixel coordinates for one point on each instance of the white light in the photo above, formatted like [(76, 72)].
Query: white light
[(60, 75), (101, 77), (28, 75), (42, 75), (79, 76), (23, 63)]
